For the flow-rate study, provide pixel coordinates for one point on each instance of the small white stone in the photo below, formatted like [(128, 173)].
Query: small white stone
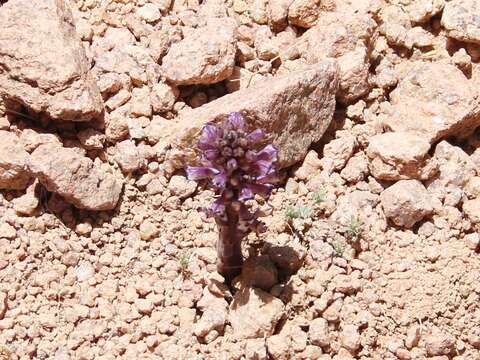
[(149, 12)]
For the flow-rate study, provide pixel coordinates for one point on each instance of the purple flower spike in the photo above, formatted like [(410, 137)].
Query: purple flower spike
[(237, 166)]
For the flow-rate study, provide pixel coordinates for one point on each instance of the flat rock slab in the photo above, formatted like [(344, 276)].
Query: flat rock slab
[(43, 63), (461, 19), (434, 100), (75, 177), (294, 110)]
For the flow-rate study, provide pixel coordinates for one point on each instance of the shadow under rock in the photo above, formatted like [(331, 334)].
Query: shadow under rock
[(287, 261)]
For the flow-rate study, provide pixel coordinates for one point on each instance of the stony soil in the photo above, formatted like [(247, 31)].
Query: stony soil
[(372, 249)]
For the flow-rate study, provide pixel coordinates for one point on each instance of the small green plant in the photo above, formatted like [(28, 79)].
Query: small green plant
[(354, 229), (319, 196), (339, 247), (298, 212), (183, 259)]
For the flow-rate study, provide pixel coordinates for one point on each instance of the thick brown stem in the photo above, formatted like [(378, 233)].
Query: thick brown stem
[(229, 248)]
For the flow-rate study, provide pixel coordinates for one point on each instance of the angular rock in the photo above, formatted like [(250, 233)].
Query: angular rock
[(76, 178), (395, 24), (7, 231), (204, 56), (461, 19), (294, 110), (182, 187), (456, 167), (27, 203), (344, 36), (439, 344), (215, 314), (254, 313), (91, 139), (434, 100), (318, 332), (406, 203), (304, 13), (471, 208), (350, 338), (339, 151), (162, 97), (129, 156), (44, 63), (14, 172), (400, 156), (278, 14), (31, 139), (420, 11), (334, 35), (354, 70)]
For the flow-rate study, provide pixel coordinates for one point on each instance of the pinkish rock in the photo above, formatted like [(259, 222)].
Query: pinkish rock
[(205, 55), (304, 13), (14, 172), (318, 332), (438, 344), (76, 178), (295, 110), (254, 313), (406, 203), (434, 100), (3, 304), (129, 156), (27, 203), (354, 71), (461, 19), (344, 36), (47, 67), (350, 338), (399, 156)]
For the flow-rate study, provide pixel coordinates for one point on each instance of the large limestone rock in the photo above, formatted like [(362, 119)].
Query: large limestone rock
[(205, 56), (14, 172), (254, 313), (75, 177), (434, 100), (461, 18), (399, 156), (406, 202), (43, 63), (294, 110)]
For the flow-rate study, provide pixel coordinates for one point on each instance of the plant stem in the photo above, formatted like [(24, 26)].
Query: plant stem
[(229, 247)]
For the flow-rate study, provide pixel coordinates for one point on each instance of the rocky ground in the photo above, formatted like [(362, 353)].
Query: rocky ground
[(372, 249)]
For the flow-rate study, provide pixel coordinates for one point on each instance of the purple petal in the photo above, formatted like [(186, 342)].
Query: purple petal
[(261, 167), (246, 194), (271, 177), (216, 208), (210, 135), (255, 136), (200, 173), (268, 153), (220, 180), (235, 120), (211, 154), (232, 164), (249, 190)]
